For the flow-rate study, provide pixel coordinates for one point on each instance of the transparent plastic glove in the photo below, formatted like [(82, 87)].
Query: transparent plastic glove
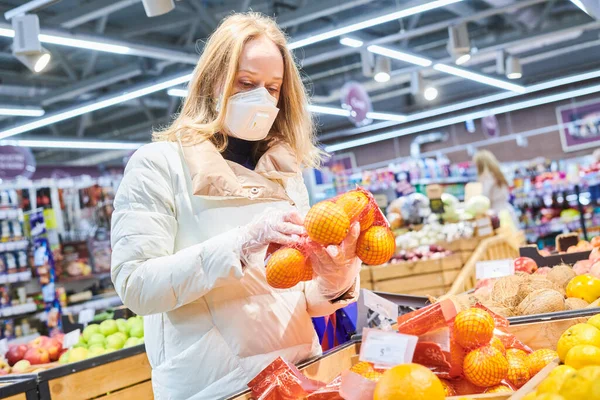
[(271, 226), (337, 267)]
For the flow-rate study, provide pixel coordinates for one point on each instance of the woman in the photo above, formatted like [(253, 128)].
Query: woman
[(494, 185), (197, 209)]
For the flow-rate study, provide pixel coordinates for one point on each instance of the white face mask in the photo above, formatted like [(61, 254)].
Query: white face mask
[(250, 115)]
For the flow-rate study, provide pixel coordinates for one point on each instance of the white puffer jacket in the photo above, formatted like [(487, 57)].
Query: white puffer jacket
[(210, 325)]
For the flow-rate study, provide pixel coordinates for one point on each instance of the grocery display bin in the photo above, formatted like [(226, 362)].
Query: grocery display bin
[(19, 387), (120, 375)]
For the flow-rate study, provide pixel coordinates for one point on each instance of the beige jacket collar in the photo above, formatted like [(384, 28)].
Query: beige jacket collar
[(213, 176)]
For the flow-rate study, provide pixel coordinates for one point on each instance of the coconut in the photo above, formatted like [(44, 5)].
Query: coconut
[(500, 309), (541, 301), (561, 275), (573, 303), (506, 291), (536, 282)]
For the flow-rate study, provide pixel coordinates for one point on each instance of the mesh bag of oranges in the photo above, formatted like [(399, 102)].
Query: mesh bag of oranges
[(328, 223)]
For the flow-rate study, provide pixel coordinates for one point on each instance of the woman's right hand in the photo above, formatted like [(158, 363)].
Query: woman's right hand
[(272, 226)]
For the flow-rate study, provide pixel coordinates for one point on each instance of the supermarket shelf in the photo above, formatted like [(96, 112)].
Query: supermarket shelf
[(23, 339), (24, 276), (94, 304), (20, 310), (14, 246), (443, 181), (64, 279)]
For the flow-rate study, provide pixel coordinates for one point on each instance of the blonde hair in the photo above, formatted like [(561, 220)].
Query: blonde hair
[(199, 119), (486, 161)]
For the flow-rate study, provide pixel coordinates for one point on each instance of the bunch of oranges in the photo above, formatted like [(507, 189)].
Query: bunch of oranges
[(328, 223)]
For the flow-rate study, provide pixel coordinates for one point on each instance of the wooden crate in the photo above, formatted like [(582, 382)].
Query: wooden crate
[(496, 247), (451, 262), (468, 244), (18, 387), (124, 374), (417, 284)]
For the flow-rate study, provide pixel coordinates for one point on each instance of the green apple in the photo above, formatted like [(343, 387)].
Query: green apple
[(121, 335), (108, 327), (106, 351), (89, 331), (115, 341), (96, 346), (96, 338), (77, 354), (137, 330), (80, 344), (131, 322), (122, 325), (64, 358), (131, 342), (95, 352)]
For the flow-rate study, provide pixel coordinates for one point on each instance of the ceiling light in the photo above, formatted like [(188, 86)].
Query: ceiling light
[(21, 112), (350, 42), (69, 144), (383, 67), (328, 110), (400, 55), (463, 73), (513, 68), (84, 44), (430, 93), (96, 105), (155, 8), (386, 116), (465, 117), (579, 4), (177, 92), (26, 43), (459, 44), (35, 62), (370, 22)]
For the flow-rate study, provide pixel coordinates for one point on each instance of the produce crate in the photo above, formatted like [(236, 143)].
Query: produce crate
[(497, 247), (120, 375), (18, 387), (554, 259), (365, 278)]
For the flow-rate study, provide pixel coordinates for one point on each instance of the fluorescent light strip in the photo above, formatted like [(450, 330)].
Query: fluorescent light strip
[(21, 112), (400, 55), (350, 42), (66, 144), (579, 4), (328, 110), (463, 73), (386, 116), (177, 92), (462, 118), (94, 106), (370, 22), (84, 44)]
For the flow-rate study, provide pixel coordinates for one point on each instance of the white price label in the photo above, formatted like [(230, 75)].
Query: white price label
[(71, 339), (86, 316), (380, 305), (494, 269), (3, 346), (13, 277), (387, 348)]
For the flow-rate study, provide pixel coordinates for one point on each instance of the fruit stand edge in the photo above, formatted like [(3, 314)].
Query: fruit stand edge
[(535, 381), (26, 384)]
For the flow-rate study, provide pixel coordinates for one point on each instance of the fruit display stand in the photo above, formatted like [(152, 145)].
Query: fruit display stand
[(123, 374), (22, 387), (501, 246), (366, 279)]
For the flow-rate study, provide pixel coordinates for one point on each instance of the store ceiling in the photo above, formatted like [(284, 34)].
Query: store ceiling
[(553, 38)]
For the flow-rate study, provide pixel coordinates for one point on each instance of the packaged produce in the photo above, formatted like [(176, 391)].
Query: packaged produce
[(281, 380)]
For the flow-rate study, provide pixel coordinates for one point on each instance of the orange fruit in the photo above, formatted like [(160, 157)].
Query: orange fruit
[(499, 389), (485, 366), (586, 287), (376, 245), (285, 268), (518, 370), (409, 381), (497, 343), (473, 328), (307, 274), (539, 359), (464, 387), (448, 388), (517, 353), (356, 205), (326, 223), (367, 370)]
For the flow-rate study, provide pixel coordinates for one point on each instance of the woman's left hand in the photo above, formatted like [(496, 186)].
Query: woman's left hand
[(337, 267)]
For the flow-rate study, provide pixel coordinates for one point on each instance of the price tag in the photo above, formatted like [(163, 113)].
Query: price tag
[(494, 269), (71, 339), (387, 348), (380, 305), (12, 278), (86, 316), (3, 346)]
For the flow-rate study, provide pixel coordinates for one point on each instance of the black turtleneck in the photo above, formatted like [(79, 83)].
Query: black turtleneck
[(241, 151)]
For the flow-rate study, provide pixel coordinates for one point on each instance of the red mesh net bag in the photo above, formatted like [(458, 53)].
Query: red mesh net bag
[(282, 381), (328, 223)]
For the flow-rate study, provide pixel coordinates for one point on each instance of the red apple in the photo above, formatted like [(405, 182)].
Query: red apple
[(53, 347), (59, 337), (38, 342), (15, 353), (525, 264), (37, 356)]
